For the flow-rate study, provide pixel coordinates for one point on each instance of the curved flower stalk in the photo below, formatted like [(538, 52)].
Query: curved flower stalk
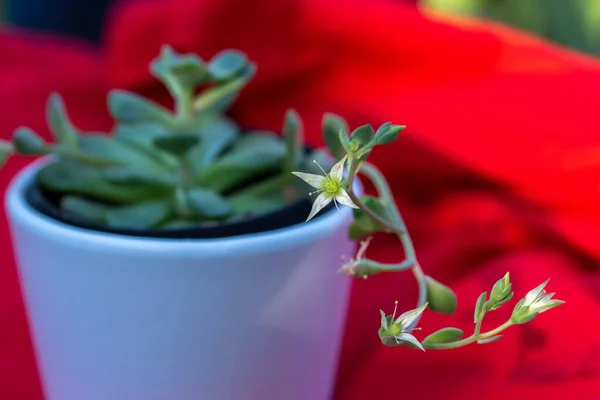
[(380, 214)]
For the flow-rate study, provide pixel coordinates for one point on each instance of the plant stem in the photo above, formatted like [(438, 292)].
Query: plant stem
[(181, 189), (398, 226), (184, 105), (365, 267), (480, 319), (82, 156), (471, 339), (356, 200)]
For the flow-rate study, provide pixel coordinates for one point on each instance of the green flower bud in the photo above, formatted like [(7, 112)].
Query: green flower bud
[(501, 292)]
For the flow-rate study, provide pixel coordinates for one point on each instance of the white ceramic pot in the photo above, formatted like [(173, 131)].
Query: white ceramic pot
[(254, 317)]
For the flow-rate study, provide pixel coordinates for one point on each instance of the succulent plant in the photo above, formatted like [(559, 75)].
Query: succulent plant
[(165, 169)]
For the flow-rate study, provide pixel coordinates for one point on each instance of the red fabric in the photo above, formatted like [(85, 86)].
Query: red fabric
[(497, 171)]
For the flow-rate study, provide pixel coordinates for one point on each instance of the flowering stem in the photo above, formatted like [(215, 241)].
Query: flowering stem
[(471, 339), (365, 267), (398, 226), (480, 319), (356, 200)]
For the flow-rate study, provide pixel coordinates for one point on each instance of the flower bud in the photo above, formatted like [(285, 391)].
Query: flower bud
[(501, 292)]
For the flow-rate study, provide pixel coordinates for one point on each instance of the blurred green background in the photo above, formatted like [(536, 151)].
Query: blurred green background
[(572, 23)]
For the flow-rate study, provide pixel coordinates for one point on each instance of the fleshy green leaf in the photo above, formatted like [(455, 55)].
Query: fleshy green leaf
[(76, 178), (227, 64), (266, 195), (362, 135), (440, 297), (118, 152), (177, 144), (388, 133), (136, 176), (208, 204), (141, 137), (214, 139), (6, 149), (292, 134), (86, 209), (179, 71), (143, 215), (445, 335), (218, 98), (62, 129), (141, 134), (256, 205), (332, 126), (178, 224), (130, 108), (479, 306), (252, 154), (491, 339), (28, 143)]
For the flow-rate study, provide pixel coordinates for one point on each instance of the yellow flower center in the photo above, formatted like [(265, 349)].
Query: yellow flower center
[(331, 186)]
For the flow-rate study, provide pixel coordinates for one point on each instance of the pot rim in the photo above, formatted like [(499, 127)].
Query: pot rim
[(17, 208)]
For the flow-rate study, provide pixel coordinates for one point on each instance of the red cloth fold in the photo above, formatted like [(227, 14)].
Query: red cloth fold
[(497, 170)]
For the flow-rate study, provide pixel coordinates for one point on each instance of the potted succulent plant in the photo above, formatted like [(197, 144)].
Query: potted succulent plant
[(170, 260)]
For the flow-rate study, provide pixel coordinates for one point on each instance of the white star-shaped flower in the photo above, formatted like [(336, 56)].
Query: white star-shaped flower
[(331, 187), (537, 300), (394, 332)]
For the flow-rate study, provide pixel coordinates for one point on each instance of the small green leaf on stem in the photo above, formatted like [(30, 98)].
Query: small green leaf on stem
[(388, 133), (479, 307), (89, 210), (440, 297), (138, 176), (6, 149), (362, 135), (28, 143), (445, 335), (143, 215), (251, 155), (208, 204), (58, 121), (292, 134), (227, 64), (130, 108), (218, 98), (332, 126), (491, 339), (177, 144), (179, 71), (215, 138)]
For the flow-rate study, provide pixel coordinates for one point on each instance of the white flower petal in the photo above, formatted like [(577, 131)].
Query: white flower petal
[(344, 199), (405, 337), (320, 202), (410, 317), (337, 171), (534, 294), (313, 180)]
